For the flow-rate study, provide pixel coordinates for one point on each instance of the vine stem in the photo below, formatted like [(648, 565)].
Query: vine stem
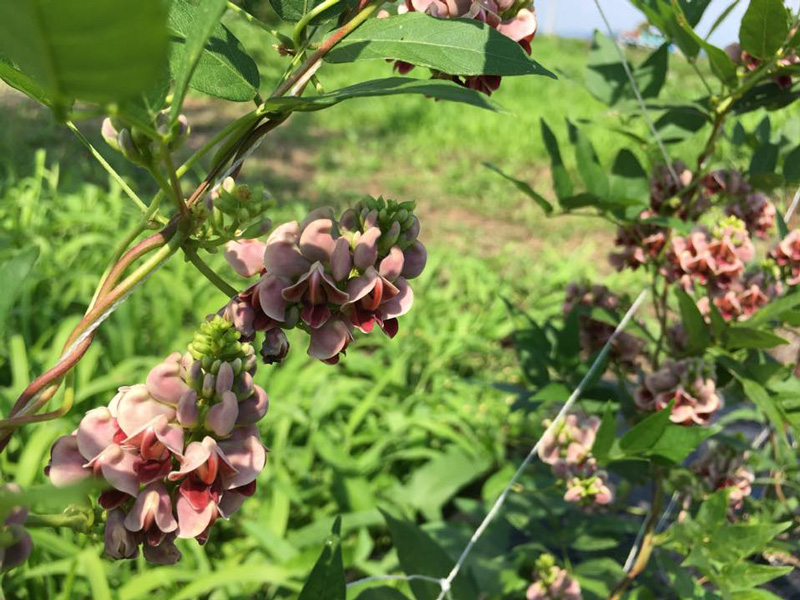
[(325, 47), (646, 549), (209, 273), (109, 169), (257, 22), (299, 29)]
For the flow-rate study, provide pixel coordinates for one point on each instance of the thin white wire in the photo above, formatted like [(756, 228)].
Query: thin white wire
[(638, 541), (638, 94), (406, 578), (447, 582), (792, 206)]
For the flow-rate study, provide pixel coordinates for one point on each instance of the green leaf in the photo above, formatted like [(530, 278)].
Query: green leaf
[(737, 337), (224, 69), (391, 86), (765, 26), (605, 434), (694, 9), (327, 577), (589, 168), (453, 46), (791, 165), (12, 273), (381, 593), (96, 574), (433, 484), (766, 403), (629, 182), (95, 50), (755, 594), (721, 64), (419, 554), (525, 189), (774, 310), (644, 435), (746, 575), (678, 441), (561, 179), (607, 80), (693, 322), (680, 122), (19, 81), (764, 160), (294, 10), (204, 23)]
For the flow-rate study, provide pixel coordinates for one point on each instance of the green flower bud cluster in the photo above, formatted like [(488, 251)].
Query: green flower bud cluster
[(544, 569), (216, 341), (235, 211), (396, 220), (728, 224)]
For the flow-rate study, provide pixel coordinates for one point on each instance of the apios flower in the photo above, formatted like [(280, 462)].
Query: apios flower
[(689, 383), (161, 489), (330, 277), (567, 449), (552, 582), (787, 256), (721, 467)]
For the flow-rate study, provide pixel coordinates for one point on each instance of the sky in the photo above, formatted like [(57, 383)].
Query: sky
[(579, 18)]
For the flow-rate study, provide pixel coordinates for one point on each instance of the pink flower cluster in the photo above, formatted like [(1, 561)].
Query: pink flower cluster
[(715, 261), (520, 27), (640, 244), (329, 277), (753, 208), (721, 467), (568, 451), (17, 544), (751, 63), (552, 582), (177, 452), (787, 256), (594, 334), (718, 263), (689, 383)]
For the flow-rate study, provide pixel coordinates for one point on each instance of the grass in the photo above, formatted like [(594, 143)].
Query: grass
[(395, 424)]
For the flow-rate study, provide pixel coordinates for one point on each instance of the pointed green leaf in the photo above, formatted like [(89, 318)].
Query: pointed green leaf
[(203, 24), (693, 322), (765, 26), (589, 168), (644, 435), (561, 180), (605, 435), (419, 554), (791, 165), (629, 181), (525, 189), (381, 593), (224, 69), (391, 86), (95, 50), (327, 577), (453, 46)]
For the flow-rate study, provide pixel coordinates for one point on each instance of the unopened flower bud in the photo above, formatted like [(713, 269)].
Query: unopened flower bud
[(224, 378), (187, 412), (222, 416), (110, 133), (208, 386), (275, 346)]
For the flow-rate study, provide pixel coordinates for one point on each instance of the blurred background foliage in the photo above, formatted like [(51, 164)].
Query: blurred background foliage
[(429, 425)]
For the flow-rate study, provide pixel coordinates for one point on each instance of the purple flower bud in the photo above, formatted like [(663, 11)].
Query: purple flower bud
[(110, 133), (254, 408), (119, 542), (224, 379), (221, 417), (341, 259), (415, 258), (165, 384), (209, 382), (275, 346), (365, 252), (187, 412)]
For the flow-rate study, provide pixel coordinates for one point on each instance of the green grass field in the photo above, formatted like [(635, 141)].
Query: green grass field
[(409, 424)]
